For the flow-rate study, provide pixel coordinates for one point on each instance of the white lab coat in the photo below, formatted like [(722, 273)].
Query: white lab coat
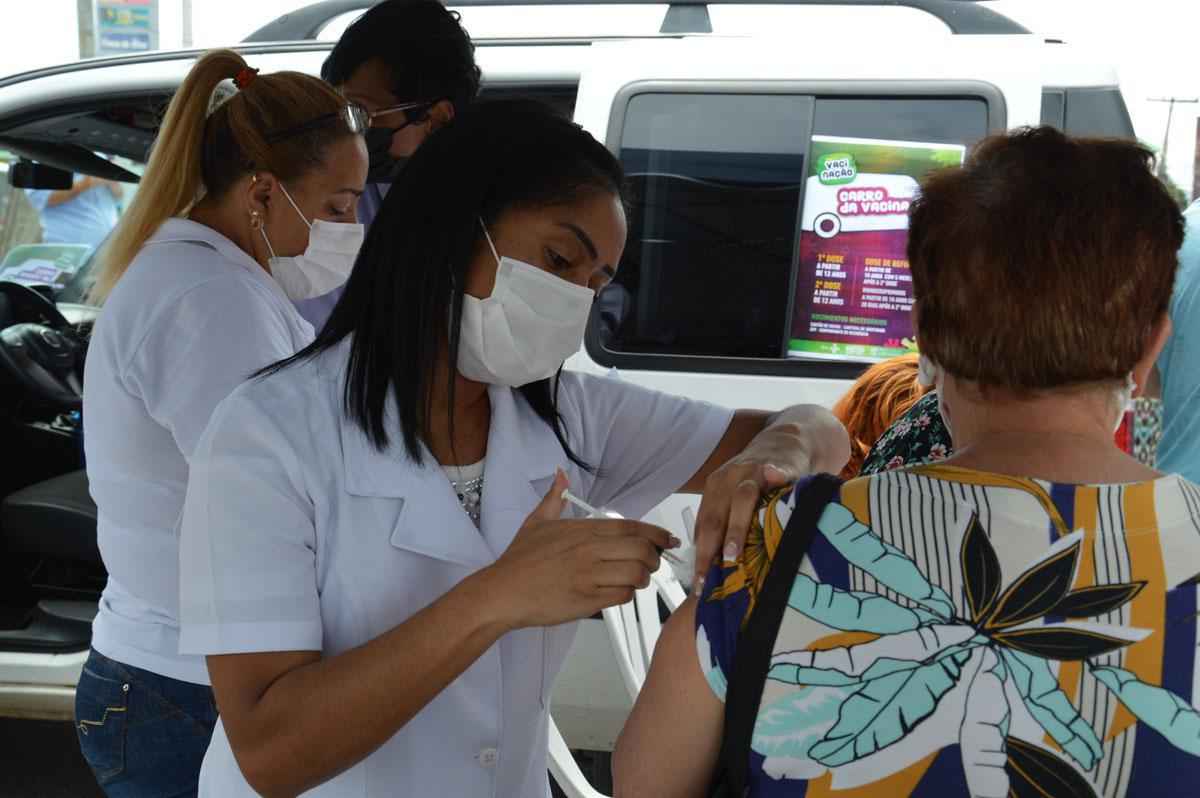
[(299, 535), (190, 320)]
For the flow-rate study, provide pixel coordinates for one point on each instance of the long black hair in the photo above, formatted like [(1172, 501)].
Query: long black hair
[(406, 291)]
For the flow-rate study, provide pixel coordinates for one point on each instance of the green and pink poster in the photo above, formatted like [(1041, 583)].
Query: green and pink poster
[(853, 290)]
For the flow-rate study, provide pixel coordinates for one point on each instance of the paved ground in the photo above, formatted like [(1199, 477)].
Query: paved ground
[(40, 759)]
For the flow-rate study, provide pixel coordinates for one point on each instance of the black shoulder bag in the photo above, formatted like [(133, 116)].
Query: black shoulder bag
[(756, 641)]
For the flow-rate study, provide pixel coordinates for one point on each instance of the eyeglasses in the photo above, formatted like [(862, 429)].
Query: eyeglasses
[(371, 116), (354, 116)]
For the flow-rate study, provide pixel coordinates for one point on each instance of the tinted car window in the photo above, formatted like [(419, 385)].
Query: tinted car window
[(1054, 108), (714, 190), (1097, 112), (942, 119)]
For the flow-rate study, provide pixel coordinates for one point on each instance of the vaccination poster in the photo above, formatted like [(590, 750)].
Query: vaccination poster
[(853, 290)]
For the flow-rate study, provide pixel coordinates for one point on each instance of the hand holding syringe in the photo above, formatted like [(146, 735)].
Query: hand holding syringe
[(601, 513), (560, 568)]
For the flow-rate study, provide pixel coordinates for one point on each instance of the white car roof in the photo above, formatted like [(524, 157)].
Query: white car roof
[(164, 71), (942, 56)]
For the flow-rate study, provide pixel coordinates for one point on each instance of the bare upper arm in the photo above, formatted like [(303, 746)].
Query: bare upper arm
[(670, 744), (741, 430)]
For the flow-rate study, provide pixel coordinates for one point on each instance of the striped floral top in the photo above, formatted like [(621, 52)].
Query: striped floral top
[(954, 632)]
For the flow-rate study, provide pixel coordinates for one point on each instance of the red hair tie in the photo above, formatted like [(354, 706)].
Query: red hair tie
[(244, 77)]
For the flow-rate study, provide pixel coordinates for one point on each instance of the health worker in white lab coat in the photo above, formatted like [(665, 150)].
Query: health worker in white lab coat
[(374, 558), (247, 203)]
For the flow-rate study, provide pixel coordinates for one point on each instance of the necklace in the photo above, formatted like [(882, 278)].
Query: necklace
[(470, 496)]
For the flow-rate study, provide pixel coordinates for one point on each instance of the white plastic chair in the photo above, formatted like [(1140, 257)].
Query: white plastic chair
[(634, 627), (621, 623), (662, 583), (565, 769)]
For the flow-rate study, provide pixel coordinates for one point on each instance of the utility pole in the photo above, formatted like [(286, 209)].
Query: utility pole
[(87, 28), (1196, 165), (1162, 157), (187, 24)]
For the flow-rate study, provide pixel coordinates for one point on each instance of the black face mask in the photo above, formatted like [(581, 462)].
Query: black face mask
[(383, 166)]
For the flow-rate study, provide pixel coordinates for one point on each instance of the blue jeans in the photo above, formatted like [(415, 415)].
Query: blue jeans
[(143, 735)]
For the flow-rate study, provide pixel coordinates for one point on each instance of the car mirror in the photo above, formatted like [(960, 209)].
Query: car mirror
[(27, 174)]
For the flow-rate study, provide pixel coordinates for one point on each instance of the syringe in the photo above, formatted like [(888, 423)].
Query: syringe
[(594, 513)]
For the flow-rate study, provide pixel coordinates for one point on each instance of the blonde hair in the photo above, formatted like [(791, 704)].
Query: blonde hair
[(198, 153), (883, 394)]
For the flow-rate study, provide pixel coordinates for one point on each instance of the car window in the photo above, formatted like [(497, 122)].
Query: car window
[(718, 267), (1097, 111), (714, 191)]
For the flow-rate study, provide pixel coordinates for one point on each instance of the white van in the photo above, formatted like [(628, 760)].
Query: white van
[(736, 285)]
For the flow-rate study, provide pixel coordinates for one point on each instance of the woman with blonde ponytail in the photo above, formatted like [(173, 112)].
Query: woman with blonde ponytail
[(247, 205)]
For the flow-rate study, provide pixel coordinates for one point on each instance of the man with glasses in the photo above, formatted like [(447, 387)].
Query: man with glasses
[(409, 66)]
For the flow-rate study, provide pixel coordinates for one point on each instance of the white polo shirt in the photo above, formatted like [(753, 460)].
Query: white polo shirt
[(298, 535), (192, 318)]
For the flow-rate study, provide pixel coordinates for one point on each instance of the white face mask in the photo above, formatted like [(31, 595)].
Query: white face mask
[(930, 375), (326, 262), (1125, 399), (927, 372), (523, 332)]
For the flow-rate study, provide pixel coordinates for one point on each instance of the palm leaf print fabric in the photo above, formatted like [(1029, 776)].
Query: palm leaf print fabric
[(953, 632)]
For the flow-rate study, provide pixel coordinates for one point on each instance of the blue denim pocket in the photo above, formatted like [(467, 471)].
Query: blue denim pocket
[(101, 718)]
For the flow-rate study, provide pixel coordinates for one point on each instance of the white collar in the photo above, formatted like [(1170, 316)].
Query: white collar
[(178, 230), (522, 456)]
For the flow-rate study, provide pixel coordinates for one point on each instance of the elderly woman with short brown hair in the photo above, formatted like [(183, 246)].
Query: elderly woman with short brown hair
[(1020, 619)]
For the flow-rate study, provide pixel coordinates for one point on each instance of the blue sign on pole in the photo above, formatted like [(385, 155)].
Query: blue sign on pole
[(126, 26)]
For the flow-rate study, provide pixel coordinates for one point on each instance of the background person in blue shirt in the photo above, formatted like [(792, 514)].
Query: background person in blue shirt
[(1179, 363), (412, 66), (85, 213)]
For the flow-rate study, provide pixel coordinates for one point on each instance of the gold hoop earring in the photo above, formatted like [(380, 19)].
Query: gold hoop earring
[(255, 220)]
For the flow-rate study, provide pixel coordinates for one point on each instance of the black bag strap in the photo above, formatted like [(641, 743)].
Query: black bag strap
[(752, 661)]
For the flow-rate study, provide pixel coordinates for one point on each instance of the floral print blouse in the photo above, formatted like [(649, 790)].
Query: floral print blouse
[(954, 632), (920, 436)]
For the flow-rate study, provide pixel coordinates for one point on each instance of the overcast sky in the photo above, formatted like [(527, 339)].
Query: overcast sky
[(1147, 41)]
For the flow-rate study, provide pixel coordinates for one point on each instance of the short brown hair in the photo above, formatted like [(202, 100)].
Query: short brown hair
[(875, 401), (1044, 261)]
